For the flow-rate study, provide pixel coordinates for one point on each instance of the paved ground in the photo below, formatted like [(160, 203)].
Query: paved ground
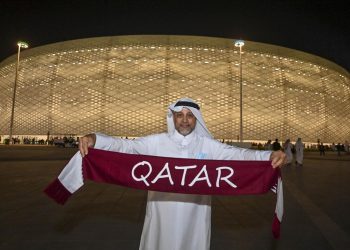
[(101, 216)]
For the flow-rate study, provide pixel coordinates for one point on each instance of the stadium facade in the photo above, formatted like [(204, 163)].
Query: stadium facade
[(122, 86)]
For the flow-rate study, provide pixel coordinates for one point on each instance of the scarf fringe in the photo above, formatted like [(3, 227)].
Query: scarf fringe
[(57, 192)]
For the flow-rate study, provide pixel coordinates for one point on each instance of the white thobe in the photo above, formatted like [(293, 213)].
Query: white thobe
[(178, 221), (299, 150), (288, 152)]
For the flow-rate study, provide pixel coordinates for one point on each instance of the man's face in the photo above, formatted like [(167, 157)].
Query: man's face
[(184, 121)]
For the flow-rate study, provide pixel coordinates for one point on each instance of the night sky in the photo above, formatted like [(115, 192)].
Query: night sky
[(317, 27)]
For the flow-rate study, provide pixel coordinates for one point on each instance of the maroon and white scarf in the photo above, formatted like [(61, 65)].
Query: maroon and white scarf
[(175, 175)]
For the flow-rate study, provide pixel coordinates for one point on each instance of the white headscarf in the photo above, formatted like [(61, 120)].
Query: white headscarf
[(188, 103)]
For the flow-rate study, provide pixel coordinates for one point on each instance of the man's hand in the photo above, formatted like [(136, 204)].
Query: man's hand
[(86, 142), (278, 159)]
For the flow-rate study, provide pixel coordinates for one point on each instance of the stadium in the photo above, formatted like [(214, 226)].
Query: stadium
[(122, 86)]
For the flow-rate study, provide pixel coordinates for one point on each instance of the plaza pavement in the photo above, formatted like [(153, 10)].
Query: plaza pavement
[(102, 216)]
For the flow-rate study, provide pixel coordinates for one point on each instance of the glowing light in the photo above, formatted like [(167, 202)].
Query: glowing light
[(239, 43), (22, 44)]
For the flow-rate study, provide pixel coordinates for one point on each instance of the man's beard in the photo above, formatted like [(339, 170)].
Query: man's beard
[(185, 131)]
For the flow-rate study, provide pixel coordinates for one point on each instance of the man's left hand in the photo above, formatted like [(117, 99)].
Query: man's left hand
[(278, 159)]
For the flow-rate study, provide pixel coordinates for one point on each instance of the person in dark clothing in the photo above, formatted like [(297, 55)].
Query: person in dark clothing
[(276, 145), (339, 148), (322, 149)]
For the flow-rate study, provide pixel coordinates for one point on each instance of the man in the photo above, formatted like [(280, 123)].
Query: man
[(339, 148), (322, 149), (299, 150), (276, 145), (179, 221), (268, 145), (287, 146)]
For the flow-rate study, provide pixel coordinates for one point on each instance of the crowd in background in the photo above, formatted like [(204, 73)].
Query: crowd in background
[(289, 148), (60, 141), (308, 147)]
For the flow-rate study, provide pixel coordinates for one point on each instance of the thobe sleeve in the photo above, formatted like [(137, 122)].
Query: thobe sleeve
[(137, 146)]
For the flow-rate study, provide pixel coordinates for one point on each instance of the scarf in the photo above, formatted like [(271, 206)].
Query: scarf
[(175, 175)]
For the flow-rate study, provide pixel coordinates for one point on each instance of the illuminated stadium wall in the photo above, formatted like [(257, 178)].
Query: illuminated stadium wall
[(122, 86)]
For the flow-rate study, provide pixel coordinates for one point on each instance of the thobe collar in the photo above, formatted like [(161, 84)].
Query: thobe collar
[(182, 140)]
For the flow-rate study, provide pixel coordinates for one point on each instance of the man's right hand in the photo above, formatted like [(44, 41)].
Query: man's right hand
[(86, 142)]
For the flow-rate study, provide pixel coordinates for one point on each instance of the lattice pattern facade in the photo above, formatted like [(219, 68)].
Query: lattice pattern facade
[(122, 86)]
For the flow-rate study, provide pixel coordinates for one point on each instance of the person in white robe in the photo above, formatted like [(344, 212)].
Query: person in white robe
[(299, 152), (178, 221), (287, 146)]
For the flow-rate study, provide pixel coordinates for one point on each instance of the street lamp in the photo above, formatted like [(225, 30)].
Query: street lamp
[(20, 45), (240, 44)]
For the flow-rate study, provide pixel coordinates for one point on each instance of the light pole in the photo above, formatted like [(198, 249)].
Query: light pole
[(240, 44), (20, 45)]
